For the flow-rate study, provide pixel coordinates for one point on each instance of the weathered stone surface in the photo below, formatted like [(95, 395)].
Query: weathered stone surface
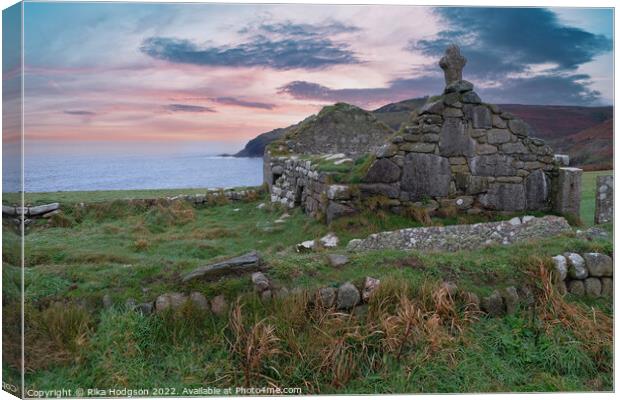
[(459, 87), (576, 287), (492, 165), (604, 208), (327, 297), (169, 301), (511, 299), (453, 141), (598, 264), (561, 287), (471, 97), (246, 263), (592, 287), (592, 233), (498, 136), (305, 246), (452, 64), (338, 192), (43, 209), (462, 237), (337, 260), (383, 170), (199, 301), (519, 127), (607, 287), (471, 300), (480, 116), (576, 266), (329, 241), (426, 175), (567, 199), (337, 210), (387, 150), (537, 188), (381, 189), (219, 305), (260, 281), (560, 267), (514, 148), (504, 196), (450, 288), (493, 304), (107, 301), (145, 308), (432, 107), (370, 285), (348, 296), (452, 112)]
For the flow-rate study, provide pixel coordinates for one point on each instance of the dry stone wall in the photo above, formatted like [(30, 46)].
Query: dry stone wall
[(461, 151)]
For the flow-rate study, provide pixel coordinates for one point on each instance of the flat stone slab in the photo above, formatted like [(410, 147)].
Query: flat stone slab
[(463, 237), (250, 262)]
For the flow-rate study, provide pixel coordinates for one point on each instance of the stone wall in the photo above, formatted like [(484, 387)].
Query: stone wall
[(590, 274), (298, 183), (464, 237), (459, 150), (604, 211)]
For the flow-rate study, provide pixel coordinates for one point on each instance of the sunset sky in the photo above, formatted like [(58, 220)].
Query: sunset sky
[(211, 77)]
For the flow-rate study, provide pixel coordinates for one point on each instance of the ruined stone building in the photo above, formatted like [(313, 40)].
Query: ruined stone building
[(455, 151)]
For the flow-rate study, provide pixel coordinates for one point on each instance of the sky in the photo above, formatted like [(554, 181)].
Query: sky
[(208, 77)]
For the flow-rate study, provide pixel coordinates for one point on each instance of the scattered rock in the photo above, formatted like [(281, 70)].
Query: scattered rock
[(260, 281), (472, 301), (450, 287), (306, 246), (169, 301), (560, 266), (130, 304), (261, 206), (599, 264), (219, 305), (576, 266), (145, 308), (526, 296), (348, 296), (107, 301), (493, 304), (329, 241), (199, 301), (593, 233), (327, 297), (337, 260), (266, 295), (246, 263), (370, 285), (44, 209), (511, 299), (576, 287), (592, 287)]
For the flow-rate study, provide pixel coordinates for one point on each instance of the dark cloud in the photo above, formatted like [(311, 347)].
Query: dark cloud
[(243, 103), (571, 89), (510, 39), (187, 108), (564, 89), (501, 43), (80, 112), (304, 30), (311, 52), (396, 90)]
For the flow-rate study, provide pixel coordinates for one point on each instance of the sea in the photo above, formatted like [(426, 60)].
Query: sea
[(53, 173)]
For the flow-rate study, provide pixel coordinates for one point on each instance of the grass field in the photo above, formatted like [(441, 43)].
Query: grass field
[(137, 252)]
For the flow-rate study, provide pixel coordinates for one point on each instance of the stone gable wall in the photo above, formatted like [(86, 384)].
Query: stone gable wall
[(461, 151)]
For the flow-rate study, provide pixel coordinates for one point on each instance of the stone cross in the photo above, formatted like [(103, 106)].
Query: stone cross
[(452, 64)]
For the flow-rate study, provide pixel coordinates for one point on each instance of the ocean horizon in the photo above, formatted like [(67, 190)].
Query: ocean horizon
[(54, 173)]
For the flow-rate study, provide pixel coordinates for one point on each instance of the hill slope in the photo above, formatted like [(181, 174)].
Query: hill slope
[(585, 133)]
